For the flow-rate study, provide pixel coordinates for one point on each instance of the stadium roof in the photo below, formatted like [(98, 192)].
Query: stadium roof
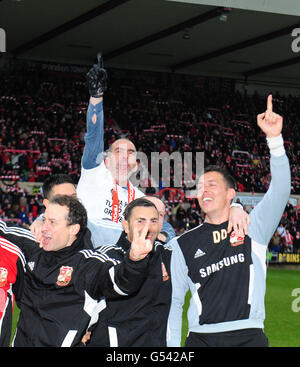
[(233, 38)]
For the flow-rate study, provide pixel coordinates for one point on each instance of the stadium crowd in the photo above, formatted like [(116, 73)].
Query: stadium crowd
[(42, 119)]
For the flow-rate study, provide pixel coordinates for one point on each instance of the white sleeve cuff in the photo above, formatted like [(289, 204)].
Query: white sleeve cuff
[(276, 145)]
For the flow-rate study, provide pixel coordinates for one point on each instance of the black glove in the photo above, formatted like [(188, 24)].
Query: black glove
[(97, 78)]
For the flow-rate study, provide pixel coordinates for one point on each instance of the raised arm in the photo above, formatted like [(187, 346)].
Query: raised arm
[(266, 215), (94, 137)]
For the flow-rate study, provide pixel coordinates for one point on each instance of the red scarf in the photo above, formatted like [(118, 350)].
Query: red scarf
[(115, 199)]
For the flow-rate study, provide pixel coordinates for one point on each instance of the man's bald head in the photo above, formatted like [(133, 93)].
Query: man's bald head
[(160, 206), (121, 160)]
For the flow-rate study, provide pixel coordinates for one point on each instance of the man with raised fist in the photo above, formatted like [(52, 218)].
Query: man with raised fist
[(104, 186)]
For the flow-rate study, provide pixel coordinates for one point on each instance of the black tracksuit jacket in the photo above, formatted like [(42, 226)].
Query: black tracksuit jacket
[(139, 320), (62, 288)]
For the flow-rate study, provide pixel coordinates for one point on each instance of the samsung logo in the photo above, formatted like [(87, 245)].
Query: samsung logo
[(225, 262)]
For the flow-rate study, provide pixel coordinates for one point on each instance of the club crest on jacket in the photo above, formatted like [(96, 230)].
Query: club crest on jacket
[(65, 275), (236, 240)]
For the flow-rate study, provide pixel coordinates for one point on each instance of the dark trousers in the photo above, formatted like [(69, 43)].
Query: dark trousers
[(236, 338)]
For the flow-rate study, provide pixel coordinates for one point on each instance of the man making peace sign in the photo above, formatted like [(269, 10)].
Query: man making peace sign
[(140, 321)]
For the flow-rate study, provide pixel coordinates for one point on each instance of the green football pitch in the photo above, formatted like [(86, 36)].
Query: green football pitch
[(282, 324)]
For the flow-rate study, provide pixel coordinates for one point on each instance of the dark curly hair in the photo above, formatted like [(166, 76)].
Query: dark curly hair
[(77, 212)]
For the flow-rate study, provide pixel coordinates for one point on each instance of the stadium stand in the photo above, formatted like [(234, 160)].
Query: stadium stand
[(42, 119)]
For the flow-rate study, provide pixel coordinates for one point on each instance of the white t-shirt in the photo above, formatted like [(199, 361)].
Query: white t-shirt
[(95, 188)]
